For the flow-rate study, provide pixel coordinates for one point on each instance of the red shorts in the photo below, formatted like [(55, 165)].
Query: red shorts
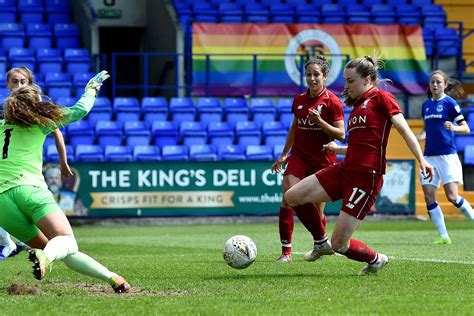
[(357, 189), (300, 168)]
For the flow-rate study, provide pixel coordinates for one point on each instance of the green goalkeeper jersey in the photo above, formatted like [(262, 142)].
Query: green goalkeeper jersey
[(21, 148)]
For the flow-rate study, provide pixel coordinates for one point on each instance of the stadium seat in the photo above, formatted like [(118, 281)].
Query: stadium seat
[(79, 81), (256, 12), (202, 153), (80, 132), (230, 153), (39, 35), (277, 151), (154, 109), (220, 133), (449, 42), (209, 114), (408, 14), (109, 133), (57, 11), (234, 115), (204, 12), (462, 141), (99, 114), (284, 112), (274, 133), (164, 133), (174, 153), (420, 3), (282, 12), (230, 12), (8, 11), (89, 153), (433, 16), (307, 13), (58, 84), (470, 120), (3, 64), (176, 102), (126, 109), (146, 153), (117, 153), (192, 133), (66, 35), (67, 101), (76, 60), (469, 155), (332, 13), (49, 60), (235, 103), (30, 11), (258, 152), (208, 103), (357, 13), (12, 35), (21, 57), (428, 38), (53, 156), (262, 110), (247, 133), (136, 133), (383, 14)]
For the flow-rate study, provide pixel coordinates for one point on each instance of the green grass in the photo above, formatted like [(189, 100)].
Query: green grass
[(176, 270)]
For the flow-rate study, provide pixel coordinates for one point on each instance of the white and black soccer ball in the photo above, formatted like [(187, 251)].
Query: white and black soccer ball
[(239, 252)]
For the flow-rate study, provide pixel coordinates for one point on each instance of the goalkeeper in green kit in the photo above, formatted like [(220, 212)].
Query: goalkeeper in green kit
[(29, 210)]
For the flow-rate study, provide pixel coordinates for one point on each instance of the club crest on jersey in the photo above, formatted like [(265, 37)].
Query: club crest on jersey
[(320, 108), (364, 106), (439, 108), (299, 107)]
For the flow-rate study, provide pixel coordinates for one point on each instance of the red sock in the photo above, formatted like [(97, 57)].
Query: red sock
[(324, 220), (311, 219), (286, 225), (359, 251)]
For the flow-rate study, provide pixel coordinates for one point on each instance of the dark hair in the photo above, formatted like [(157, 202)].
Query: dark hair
[(321, 61), (24, 108), (454, 89)]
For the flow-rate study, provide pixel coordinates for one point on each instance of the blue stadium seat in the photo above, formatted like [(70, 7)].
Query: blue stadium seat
[(282, 12), (408, 14), (262, 110), (146, 153), (202, 153), (230, 12), (12, 35), (58, 11), (449, 42), (21, 57), (277, 151), (39, 35), (428, 38), (8, 11), (76, 60), (235, 103), (30, 11), (154, 109), (420, 3), (117, 153), (208, 103), (136, 133), (247, 133), (3, 63), (66, 35), (470, 120), (181, 114), (185, 103), (433, 15), (307, 13), (99, 113), (126, 109), (383, 14), (67, 101), (274, 133), (230, 153), (332, 13), (259, 152), (89, 153), (256, 12), (369, 3), (164, 133), (469, 155), (235, 115), (53, 156), (209, 112), (49, 60), (109, 133), (284, 111), (204, 12), (357, 13), (174, 153), (220, 133), (58, 84), (79, 81), (462, 141), (192, 133), (80, 132)]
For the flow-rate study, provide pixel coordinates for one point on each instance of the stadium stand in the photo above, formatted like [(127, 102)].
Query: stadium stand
[(117, 153), (146, 153), (202, 153)]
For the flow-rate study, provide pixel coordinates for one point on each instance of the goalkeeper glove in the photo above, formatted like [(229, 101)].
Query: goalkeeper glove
[(96, 81)]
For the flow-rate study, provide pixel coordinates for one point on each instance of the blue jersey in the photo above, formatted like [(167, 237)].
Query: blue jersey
[(439, 140)]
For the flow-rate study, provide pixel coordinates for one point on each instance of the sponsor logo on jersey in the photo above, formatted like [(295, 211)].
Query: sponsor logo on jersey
[(358, 121)]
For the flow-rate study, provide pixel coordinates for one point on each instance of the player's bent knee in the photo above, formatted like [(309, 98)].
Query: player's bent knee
[(290, 197)]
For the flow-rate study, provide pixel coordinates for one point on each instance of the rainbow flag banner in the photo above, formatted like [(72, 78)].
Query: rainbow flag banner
[(266, 59)]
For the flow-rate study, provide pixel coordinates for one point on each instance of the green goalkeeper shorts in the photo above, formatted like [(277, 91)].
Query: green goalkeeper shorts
[(22, 207)]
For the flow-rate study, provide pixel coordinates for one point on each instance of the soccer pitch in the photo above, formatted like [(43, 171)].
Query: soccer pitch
[(179, 270)]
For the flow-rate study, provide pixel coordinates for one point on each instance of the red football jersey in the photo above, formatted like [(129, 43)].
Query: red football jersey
[(369, 126), (310, 138)]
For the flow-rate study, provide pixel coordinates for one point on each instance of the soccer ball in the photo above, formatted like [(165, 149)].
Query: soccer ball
[(239, 252)]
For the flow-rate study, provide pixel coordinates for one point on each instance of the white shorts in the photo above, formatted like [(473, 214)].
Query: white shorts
[(448, 169)]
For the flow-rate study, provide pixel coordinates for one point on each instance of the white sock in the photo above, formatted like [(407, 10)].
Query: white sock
[(463, 205), (438, 219), (82, 263), (6, 242), (59, 247)]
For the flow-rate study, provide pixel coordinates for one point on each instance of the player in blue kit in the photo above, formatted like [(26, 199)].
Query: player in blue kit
[(29, 211), (439, 113)]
